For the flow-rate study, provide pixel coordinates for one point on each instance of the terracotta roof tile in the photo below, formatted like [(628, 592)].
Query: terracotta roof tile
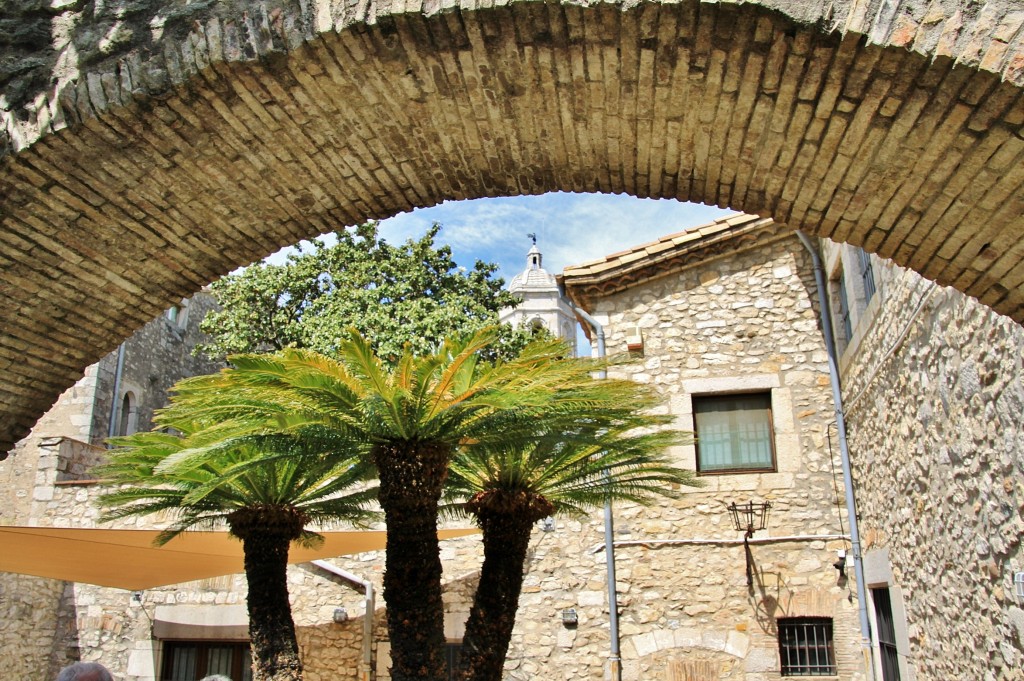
[(618, 270)]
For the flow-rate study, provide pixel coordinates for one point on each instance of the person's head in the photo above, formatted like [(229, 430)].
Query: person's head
[(85, 671), (216, 677)]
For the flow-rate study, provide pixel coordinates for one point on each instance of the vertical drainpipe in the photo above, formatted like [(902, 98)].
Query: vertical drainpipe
[(115, 406), (844, 454), (614, 658)]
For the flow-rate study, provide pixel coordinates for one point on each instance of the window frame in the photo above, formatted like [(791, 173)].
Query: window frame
[(697, 399), (885, 628), (867, 276), (128, 414), (788, 649), (202, 647)]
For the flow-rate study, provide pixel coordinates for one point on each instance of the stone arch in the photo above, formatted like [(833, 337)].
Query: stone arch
[(157, 162)]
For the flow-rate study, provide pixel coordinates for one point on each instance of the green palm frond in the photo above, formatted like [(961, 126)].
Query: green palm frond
[(298, 427), (576, 470), (199, 480)]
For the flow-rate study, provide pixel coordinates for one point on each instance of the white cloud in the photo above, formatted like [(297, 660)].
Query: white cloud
[(570, 228)]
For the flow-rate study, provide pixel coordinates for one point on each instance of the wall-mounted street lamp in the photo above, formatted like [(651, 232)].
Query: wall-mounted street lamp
[(340, 615), (569, 618), (840, 564), (749, 518)]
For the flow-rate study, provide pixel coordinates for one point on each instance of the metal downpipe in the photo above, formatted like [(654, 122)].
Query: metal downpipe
[(844, 454), (614, 657), (115, 407)]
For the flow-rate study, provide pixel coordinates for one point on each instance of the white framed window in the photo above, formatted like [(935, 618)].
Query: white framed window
[(734, 433), (177, 315)]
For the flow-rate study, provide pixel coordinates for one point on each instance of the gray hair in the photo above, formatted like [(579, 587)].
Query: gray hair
[(85, 671), (216, 677)]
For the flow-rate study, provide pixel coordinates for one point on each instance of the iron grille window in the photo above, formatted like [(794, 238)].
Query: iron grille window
[(805, 646), (867, 276), (189, 660), (734, 433), (886, 634)]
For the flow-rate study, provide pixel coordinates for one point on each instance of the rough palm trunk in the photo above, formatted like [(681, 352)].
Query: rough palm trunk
[(410, 487), (266, 533), (506, 519)]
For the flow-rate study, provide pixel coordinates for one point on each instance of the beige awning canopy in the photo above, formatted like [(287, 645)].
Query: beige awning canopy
[(127, 559)]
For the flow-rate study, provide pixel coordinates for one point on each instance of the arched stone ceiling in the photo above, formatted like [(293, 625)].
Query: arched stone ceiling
[(151, 147)]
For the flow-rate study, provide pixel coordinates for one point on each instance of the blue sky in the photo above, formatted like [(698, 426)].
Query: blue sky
[(571, 228)]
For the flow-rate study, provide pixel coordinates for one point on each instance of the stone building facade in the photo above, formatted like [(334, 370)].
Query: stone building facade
[(933, 392), (726, 313)]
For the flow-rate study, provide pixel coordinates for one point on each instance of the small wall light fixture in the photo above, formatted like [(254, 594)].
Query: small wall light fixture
[(135, 598), (840, 564), (547, 524), (340, 615), (749, 518), (569, 618), (1018, 585)]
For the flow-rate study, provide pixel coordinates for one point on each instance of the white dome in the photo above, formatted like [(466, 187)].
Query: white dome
[(534, 277)]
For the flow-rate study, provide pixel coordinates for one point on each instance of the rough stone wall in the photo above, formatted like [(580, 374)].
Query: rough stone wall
[(156, 356), (30, 606), (934, 398), (51, 44)]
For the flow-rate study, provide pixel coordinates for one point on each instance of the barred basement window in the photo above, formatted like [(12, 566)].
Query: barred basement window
[(805, 646)]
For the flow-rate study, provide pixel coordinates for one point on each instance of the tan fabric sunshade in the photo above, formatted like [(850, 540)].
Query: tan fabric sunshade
[(127, 559)]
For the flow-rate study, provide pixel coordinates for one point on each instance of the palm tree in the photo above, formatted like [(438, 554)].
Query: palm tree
[(508, 489), (408, 417), (267, 503)]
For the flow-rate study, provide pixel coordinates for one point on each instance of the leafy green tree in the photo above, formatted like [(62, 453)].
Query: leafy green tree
[(508, 489), (408, 417), (267, 503), (413, 293)]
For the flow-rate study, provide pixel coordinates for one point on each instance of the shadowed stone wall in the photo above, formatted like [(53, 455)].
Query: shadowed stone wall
[(40, 481)]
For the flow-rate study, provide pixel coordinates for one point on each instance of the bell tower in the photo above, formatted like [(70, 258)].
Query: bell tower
[(541, 305)]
